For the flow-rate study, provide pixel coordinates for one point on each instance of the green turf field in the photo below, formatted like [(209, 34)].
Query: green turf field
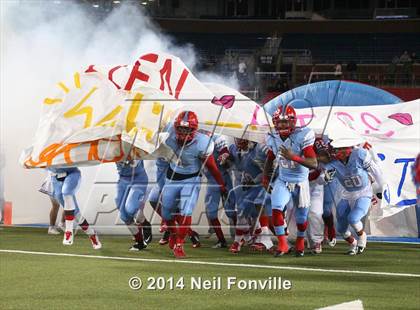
[(29, 281)]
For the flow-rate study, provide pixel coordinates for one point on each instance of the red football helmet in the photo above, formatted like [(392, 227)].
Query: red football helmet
[(241, 144), (320, 146), (186, 125), (284, 120)]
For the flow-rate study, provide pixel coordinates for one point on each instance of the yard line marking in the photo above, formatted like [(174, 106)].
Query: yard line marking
[(157, 260)]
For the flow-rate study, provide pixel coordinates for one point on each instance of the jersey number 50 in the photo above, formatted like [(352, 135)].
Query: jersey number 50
[(353, 181)]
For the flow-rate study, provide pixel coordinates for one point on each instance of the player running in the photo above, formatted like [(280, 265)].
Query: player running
[(213, 194), (183, 179), (244, 157), (354, 168), (155, 199), (292, 149), (66, 182), (131, 191)]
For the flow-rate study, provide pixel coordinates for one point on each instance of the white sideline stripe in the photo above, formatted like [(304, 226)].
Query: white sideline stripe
[(353, 305), (182, 261)]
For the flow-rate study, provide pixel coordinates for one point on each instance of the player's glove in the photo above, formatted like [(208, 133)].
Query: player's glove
[(329, 175)]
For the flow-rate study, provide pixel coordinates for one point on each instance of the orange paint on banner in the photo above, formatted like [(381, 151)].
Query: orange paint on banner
[(48, 155)]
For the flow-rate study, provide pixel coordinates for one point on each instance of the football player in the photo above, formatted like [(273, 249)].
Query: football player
[(183, 180), (244, 157), (131, 191), (213, 195), (293, 150), (353, 167), (155, 199), (320, 218), (66, 182), (48, 189)]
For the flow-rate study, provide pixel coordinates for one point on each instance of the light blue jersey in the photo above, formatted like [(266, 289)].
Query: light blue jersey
[(288, 170), (131, 189), (190, 160), (191, 155), (248, 166), (132, 169), (353, 175), (249, 162), (213, 196), (219, 144), (161, 169)]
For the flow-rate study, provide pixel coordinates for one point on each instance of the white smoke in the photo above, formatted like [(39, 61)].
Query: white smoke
[(43, 42)]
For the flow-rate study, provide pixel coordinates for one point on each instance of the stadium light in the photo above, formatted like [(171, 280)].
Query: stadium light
[(95, 5), (116, 1)]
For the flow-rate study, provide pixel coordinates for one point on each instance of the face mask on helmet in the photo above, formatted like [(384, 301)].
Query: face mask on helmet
[(284, 120), (342, 153), (184, 134), (241, 144), (322, 150), (186, 125)]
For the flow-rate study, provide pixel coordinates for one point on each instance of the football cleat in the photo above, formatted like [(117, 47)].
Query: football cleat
[(278, 253), (299, 253), (178, 251), (138, 246), (210, 233), (147, 232), (61, 226), (317, 248), (258, 247), (52, 230), (68, 237), (220, 245), (361, 243), (235, 248), (195, 240), (332, 242), (165, 238), (352, 249), (96, 244)]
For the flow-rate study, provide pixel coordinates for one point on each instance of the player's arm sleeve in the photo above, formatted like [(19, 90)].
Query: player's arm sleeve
[(372, 167), (220, 143), (206, 147), (210, 164), (308, 140)]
